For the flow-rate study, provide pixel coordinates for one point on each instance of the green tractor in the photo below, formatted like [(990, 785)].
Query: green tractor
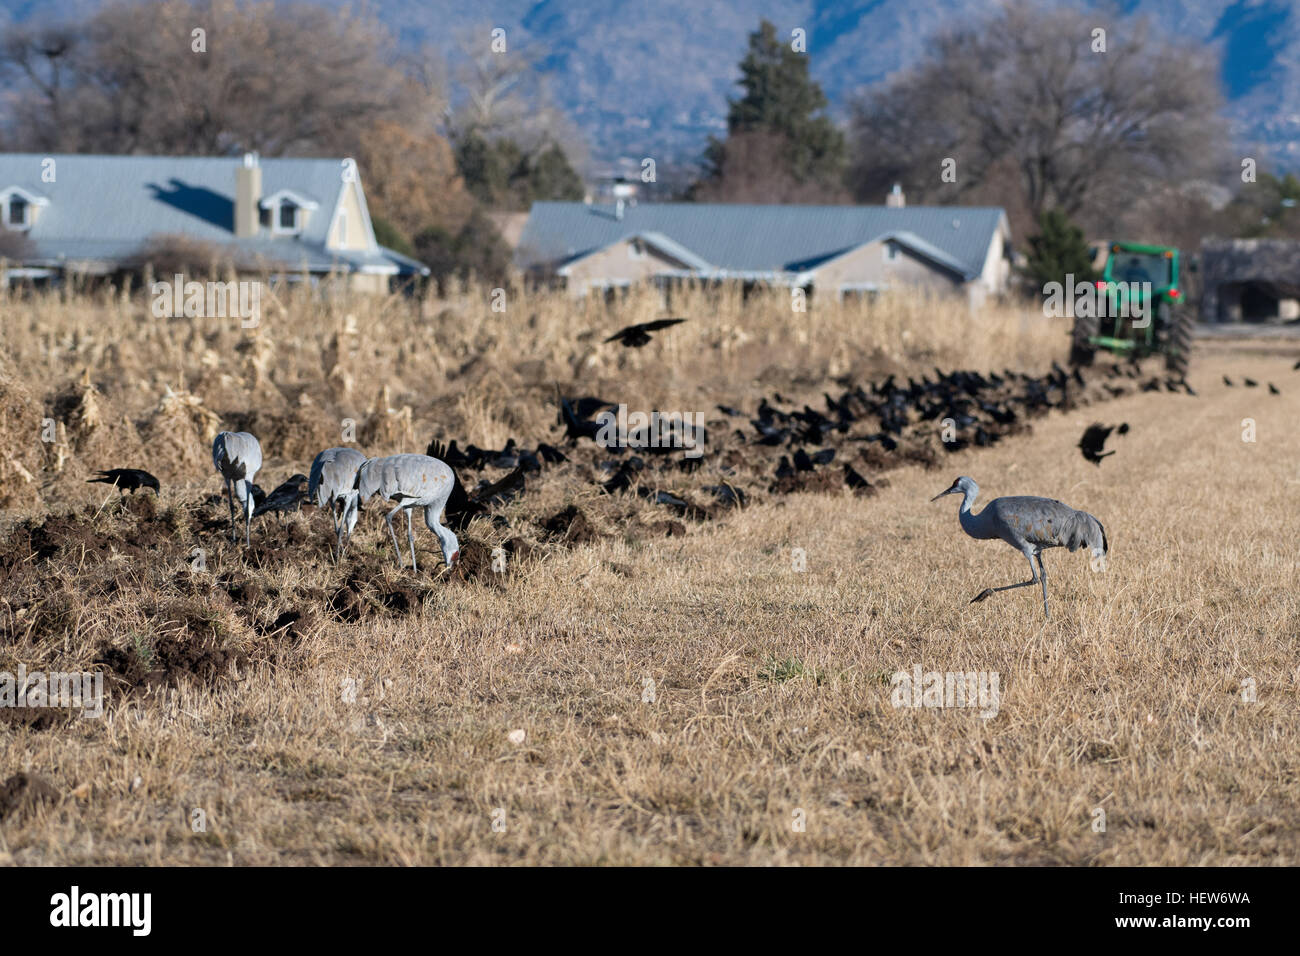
[(1141, 311)]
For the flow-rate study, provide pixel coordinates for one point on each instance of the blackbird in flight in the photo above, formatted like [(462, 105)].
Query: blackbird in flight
[(635, 336), (1094, 440)]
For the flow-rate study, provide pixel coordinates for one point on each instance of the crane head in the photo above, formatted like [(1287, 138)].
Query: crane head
[(962, 486), (450, 548)]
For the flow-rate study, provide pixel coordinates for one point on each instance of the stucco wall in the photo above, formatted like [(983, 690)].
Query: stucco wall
[(615, 264), (869, 264), (357, 237)]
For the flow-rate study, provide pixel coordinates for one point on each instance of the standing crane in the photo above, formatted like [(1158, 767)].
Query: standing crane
[(1029, 524), (413, 481), (333, 485), (237, 456)]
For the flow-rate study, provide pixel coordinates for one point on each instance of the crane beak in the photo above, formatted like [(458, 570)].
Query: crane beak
[(951, 491)]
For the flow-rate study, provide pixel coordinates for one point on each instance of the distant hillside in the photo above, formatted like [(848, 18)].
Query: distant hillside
[(652, 78)]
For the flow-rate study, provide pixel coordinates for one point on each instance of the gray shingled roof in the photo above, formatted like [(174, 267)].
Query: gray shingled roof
[(760, 239), (108, 207)]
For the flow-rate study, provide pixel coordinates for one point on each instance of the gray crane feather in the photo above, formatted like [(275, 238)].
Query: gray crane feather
[(332, 484), (1029, 524), (413, 481), (237, 457)]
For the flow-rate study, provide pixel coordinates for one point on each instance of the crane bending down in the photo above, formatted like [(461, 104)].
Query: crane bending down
[(332, 485), (1029, 524), (413, 481), (237, 457)]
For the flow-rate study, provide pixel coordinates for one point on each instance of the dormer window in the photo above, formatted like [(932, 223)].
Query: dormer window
[(286, 212), (18, 208)]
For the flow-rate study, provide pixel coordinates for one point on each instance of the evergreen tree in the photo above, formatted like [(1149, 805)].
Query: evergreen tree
[(386, 234), (1058, 249), (780, 97), (500, 175), (552, 177)]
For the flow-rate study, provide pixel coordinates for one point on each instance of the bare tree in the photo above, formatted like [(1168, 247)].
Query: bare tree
[(505, 96), (203, 77), (1083, 119)]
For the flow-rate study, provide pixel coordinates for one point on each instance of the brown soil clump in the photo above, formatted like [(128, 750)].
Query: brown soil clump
[(571, 527), (24, 792)]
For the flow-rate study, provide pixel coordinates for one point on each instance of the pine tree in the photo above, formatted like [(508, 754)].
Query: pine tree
[(1057, 250), (781, 98)]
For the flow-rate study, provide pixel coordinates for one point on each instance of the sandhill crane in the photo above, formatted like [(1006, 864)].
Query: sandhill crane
[(413, 481), (333, 485), (1029, 524), (237, 456)]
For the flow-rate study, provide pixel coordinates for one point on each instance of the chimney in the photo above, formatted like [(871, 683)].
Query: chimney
[(248, 193), (896, 199), (624, 195)]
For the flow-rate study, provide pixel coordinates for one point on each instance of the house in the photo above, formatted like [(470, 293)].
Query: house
[(94, 215), (1252, 280), (950, 250)]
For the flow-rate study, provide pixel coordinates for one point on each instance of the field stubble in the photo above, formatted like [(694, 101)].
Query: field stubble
[(638, 698)]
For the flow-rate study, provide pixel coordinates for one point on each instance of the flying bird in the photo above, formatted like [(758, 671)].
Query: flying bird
[(1030, 525), (1273, 389), (1250, 382), (126, 479), (413, 481), (237, 457), (332, 485), (1094, 440), (1227, 381), (635, 336)]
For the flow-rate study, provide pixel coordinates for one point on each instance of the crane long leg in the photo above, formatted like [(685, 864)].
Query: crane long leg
[(410, 536), (989, 592), (248, 516), (1043, 577), (388, 518), (349, 520), (338, 528), (230, 500)]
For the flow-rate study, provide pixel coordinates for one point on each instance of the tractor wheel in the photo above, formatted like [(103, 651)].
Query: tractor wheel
[(1081, 350), (1178, 345)]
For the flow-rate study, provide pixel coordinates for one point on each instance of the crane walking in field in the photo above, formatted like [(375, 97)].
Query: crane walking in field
[(237, 457), (333, 485), (1029, 524), (413, 481)]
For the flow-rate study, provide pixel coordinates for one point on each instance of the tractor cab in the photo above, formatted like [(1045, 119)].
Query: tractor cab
[(1139, 308)]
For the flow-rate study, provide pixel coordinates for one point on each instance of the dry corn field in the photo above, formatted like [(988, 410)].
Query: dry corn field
[(636, 685)]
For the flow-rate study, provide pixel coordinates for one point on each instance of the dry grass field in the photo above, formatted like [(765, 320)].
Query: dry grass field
[(634, 698)]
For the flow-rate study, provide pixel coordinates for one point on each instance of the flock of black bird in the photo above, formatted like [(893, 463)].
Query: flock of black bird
[(870, 428)]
